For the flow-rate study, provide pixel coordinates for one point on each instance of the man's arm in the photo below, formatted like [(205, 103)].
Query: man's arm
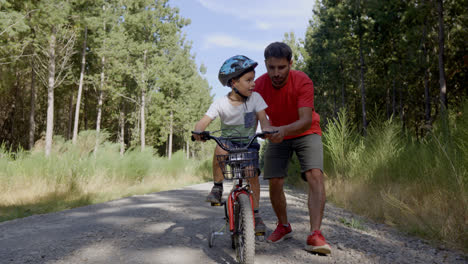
[(296, 128)]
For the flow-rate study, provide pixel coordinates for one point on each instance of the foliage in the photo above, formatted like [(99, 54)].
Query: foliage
[(133, 48), (400, 51)]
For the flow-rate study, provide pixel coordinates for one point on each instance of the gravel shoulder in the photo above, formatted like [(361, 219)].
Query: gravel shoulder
[(173, 227)]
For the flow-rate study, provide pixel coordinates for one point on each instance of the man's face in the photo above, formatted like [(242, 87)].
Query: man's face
[(278, 70)]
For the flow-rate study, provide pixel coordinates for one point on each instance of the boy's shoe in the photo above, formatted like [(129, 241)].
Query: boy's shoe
[(281, 232), (215, 195), (316, 243), (259, 225)]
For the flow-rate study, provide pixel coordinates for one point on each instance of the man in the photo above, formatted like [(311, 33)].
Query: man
[(289, 95)]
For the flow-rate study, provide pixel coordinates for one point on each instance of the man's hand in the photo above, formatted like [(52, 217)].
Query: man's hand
[(276, 137)]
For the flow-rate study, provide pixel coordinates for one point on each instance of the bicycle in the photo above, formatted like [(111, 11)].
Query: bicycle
[(238, 165)]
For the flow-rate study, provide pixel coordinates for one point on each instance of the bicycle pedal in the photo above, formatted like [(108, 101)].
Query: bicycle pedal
[(259, 233), (260, 238), (217, 204)]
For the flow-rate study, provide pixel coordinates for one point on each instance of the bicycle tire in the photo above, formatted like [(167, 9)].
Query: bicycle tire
[(245, 234)]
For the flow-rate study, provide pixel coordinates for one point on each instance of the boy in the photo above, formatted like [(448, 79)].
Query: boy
[(239, 111)]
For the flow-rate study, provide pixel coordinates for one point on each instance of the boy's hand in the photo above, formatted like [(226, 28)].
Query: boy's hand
[(198, 137)]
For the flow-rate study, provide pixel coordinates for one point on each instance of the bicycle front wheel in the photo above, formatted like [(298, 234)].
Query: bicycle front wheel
[(244, 237)]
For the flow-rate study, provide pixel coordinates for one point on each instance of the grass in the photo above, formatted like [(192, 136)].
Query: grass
[(417, 185), (73, 176), (353, 223)]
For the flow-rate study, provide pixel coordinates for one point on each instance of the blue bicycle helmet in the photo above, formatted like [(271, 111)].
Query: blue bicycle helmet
[(235, 67)]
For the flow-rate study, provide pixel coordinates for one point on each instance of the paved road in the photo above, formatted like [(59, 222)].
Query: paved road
[(173, 226)]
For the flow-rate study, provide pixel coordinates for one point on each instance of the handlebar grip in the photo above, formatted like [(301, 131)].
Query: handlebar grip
[(205, 135)]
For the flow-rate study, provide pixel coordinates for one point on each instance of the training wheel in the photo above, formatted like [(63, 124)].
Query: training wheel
[(211, 239)]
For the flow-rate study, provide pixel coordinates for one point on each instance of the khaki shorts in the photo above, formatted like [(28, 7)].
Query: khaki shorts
[(308, 149)]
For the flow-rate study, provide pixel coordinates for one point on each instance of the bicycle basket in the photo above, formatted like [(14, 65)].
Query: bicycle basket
[(239, 165)]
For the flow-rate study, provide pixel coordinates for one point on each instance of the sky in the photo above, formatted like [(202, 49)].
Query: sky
[(220, 29)]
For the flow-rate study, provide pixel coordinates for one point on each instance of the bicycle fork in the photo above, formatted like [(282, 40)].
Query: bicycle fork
[(230, 206)]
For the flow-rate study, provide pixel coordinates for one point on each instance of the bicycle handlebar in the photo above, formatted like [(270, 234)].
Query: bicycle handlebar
[(207, 136)]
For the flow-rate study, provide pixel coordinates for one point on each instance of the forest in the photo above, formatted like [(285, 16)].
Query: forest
[(96, 96), (118, 66)]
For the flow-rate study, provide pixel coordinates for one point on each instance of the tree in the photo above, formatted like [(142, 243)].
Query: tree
[(54, 60)]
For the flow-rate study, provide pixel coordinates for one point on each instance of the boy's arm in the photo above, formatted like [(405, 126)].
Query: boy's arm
[(201, 126), (264, 122)]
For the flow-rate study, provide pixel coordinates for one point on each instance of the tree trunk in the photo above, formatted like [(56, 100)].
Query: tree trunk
[(394, 99), (85, 107), (70, 117), (171, 130), (99, 109), (426, 60), (188, 149), (335, 107), (343, 91), (143, 123), (401, 108), (50, 93), (443, 85), (427, 95), (32, 113), (363, 88), (122, 131), (80, 87), (101, 92), (142, 106)]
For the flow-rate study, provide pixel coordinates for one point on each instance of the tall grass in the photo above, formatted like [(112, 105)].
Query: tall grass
[(419, 186), (75, 176)]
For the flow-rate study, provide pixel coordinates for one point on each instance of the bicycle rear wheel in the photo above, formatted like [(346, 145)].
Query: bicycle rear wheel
[(244, 237)]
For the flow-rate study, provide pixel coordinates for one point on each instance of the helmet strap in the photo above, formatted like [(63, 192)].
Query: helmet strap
[(244, 98)]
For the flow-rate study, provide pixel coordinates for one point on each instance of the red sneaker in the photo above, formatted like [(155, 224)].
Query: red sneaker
[(316, 243), (281, 232)]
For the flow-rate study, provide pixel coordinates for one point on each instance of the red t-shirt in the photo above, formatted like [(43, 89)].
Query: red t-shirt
[(283, 104)]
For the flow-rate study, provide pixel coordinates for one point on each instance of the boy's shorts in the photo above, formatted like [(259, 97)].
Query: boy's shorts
[(309, 151)]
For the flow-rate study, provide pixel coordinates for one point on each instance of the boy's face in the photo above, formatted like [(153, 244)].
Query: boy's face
[(245, 84), (278, 70)]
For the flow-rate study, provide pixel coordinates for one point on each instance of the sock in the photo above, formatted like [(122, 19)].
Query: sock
[(286, 225), (219, 184), (256, 211)]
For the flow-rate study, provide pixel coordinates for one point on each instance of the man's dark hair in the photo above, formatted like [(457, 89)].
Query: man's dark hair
[(278, 50)]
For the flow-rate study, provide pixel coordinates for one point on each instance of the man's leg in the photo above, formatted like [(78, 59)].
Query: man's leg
[(276, 168), (316, 201), (278, 199), (309, 150)]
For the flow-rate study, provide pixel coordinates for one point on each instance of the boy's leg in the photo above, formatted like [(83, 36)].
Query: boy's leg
[(255, 186), (217, 190), (260, 227)]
